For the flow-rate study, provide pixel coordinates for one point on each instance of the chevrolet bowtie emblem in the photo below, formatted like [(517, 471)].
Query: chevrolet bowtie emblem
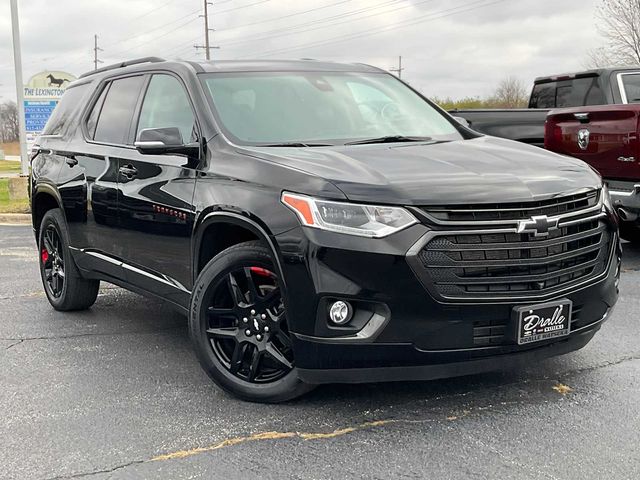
[(539, 225)]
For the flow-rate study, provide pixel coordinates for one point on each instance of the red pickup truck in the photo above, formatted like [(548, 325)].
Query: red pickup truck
[(607, 137)]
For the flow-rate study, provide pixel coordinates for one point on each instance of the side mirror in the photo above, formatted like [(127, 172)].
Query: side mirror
[(462, 121), (161, 141)]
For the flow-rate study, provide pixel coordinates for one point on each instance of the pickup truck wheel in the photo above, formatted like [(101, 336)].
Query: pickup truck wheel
[(239, 328), (64, 286), (630, 232)]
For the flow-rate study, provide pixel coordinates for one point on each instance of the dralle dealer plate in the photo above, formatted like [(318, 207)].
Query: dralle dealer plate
[(543, 321)]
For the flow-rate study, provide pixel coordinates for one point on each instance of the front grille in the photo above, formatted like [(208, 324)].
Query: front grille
[(513, 211), (504, 264)]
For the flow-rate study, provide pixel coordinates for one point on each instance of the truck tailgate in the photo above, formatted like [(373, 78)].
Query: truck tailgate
[(604, 136)]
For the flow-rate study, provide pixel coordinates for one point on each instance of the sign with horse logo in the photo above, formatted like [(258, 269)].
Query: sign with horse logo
[(41, 95)]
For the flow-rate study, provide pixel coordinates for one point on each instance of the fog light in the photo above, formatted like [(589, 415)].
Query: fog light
[(340, 312)]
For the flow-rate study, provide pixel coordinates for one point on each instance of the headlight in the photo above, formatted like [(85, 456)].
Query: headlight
[(363, 220), (606, 198)]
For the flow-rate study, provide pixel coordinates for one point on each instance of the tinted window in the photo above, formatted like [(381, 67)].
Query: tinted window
[(632, 87), (166, 104), (543, 96), (92, 121), (332, 107), (115, 117), (67, 110), (577, 92)]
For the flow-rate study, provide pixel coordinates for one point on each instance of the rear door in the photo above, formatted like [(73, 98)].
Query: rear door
[(156, 194), (606, 137), (90, 175)]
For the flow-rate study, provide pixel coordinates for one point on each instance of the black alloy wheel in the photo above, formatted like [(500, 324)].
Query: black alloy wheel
[(64, 285), (52, 260), (239, 326), (247, 327)]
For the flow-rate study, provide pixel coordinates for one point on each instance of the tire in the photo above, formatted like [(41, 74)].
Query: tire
[(57, 268), (247, 354), (630, 232)]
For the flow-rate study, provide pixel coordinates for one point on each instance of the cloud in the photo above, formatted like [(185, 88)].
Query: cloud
[(450, 48)]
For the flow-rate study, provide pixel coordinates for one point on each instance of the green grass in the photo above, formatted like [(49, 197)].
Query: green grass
[(7, 166), (11, 206)]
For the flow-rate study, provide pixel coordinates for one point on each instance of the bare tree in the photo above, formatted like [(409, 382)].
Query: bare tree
[(598, 58), (510, 93), (619, 24), (9, 131)]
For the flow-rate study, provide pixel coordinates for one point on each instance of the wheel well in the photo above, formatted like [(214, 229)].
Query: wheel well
[(219, 236), (42, 203)]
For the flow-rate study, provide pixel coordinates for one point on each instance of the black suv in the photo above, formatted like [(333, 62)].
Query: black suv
[(318, 222)]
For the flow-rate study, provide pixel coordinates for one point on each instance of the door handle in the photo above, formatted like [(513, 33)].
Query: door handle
[(128, 171), (71, 161)]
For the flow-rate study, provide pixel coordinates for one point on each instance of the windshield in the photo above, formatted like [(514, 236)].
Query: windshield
[(320, 108)]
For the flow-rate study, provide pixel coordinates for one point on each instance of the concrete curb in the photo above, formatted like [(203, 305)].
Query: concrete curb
[(15, 218)]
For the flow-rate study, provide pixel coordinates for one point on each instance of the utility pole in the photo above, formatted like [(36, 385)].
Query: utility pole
[(96, 49), (17, 63), (207, 52), (399, 69), (207, 46)]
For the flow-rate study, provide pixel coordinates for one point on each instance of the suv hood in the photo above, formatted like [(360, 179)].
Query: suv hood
[(481, 170)]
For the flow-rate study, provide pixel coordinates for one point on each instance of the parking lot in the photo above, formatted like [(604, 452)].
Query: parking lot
[(115, 392)]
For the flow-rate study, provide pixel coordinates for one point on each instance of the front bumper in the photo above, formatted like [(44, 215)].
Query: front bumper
[(519, 359), (421, 337)]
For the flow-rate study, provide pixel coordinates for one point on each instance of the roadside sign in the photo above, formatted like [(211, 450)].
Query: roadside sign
[(41, 95), (37, 112)]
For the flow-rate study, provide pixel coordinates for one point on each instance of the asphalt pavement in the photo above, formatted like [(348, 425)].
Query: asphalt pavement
[(116, 392)]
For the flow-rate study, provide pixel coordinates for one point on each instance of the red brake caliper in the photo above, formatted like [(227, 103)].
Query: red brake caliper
[(262, 272), (44, 255)]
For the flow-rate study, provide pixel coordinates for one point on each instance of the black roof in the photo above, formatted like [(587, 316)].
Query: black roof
[(284, 65), (585, 73), (235, 66)]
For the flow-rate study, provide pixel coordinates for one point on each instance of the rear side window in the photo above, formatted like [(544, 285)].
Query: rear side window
[(632, 87), (575, 92), (114, 119), (92, 121), (67, 110)]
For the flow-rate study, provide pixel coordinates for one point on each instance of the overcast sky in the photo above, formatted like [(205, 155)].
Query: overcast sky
[(453, 48)]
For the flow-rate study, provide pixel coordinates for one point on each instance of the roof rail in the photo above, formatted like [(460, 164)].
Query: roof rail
[(123, 64)]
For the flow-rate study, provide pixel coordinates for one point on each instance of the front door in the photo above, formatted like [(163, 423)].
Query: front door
[(155, 197)]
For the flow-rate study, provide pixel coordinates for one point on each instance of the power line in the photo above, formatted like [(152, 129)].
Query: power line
[(259, 22), (356, 13), (149, 12), (145, 32), (242, 6), (174, 21), (394, 26), (155, 38), (139, 34)]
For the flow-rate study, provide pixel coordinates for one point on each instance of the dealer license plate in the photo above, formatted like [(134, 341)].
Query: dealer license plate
[(543, 321)]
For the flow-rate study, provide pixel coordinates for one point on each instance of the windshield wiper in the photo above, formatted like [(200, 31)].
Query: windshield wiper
[(297, 144), (390, 139)]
